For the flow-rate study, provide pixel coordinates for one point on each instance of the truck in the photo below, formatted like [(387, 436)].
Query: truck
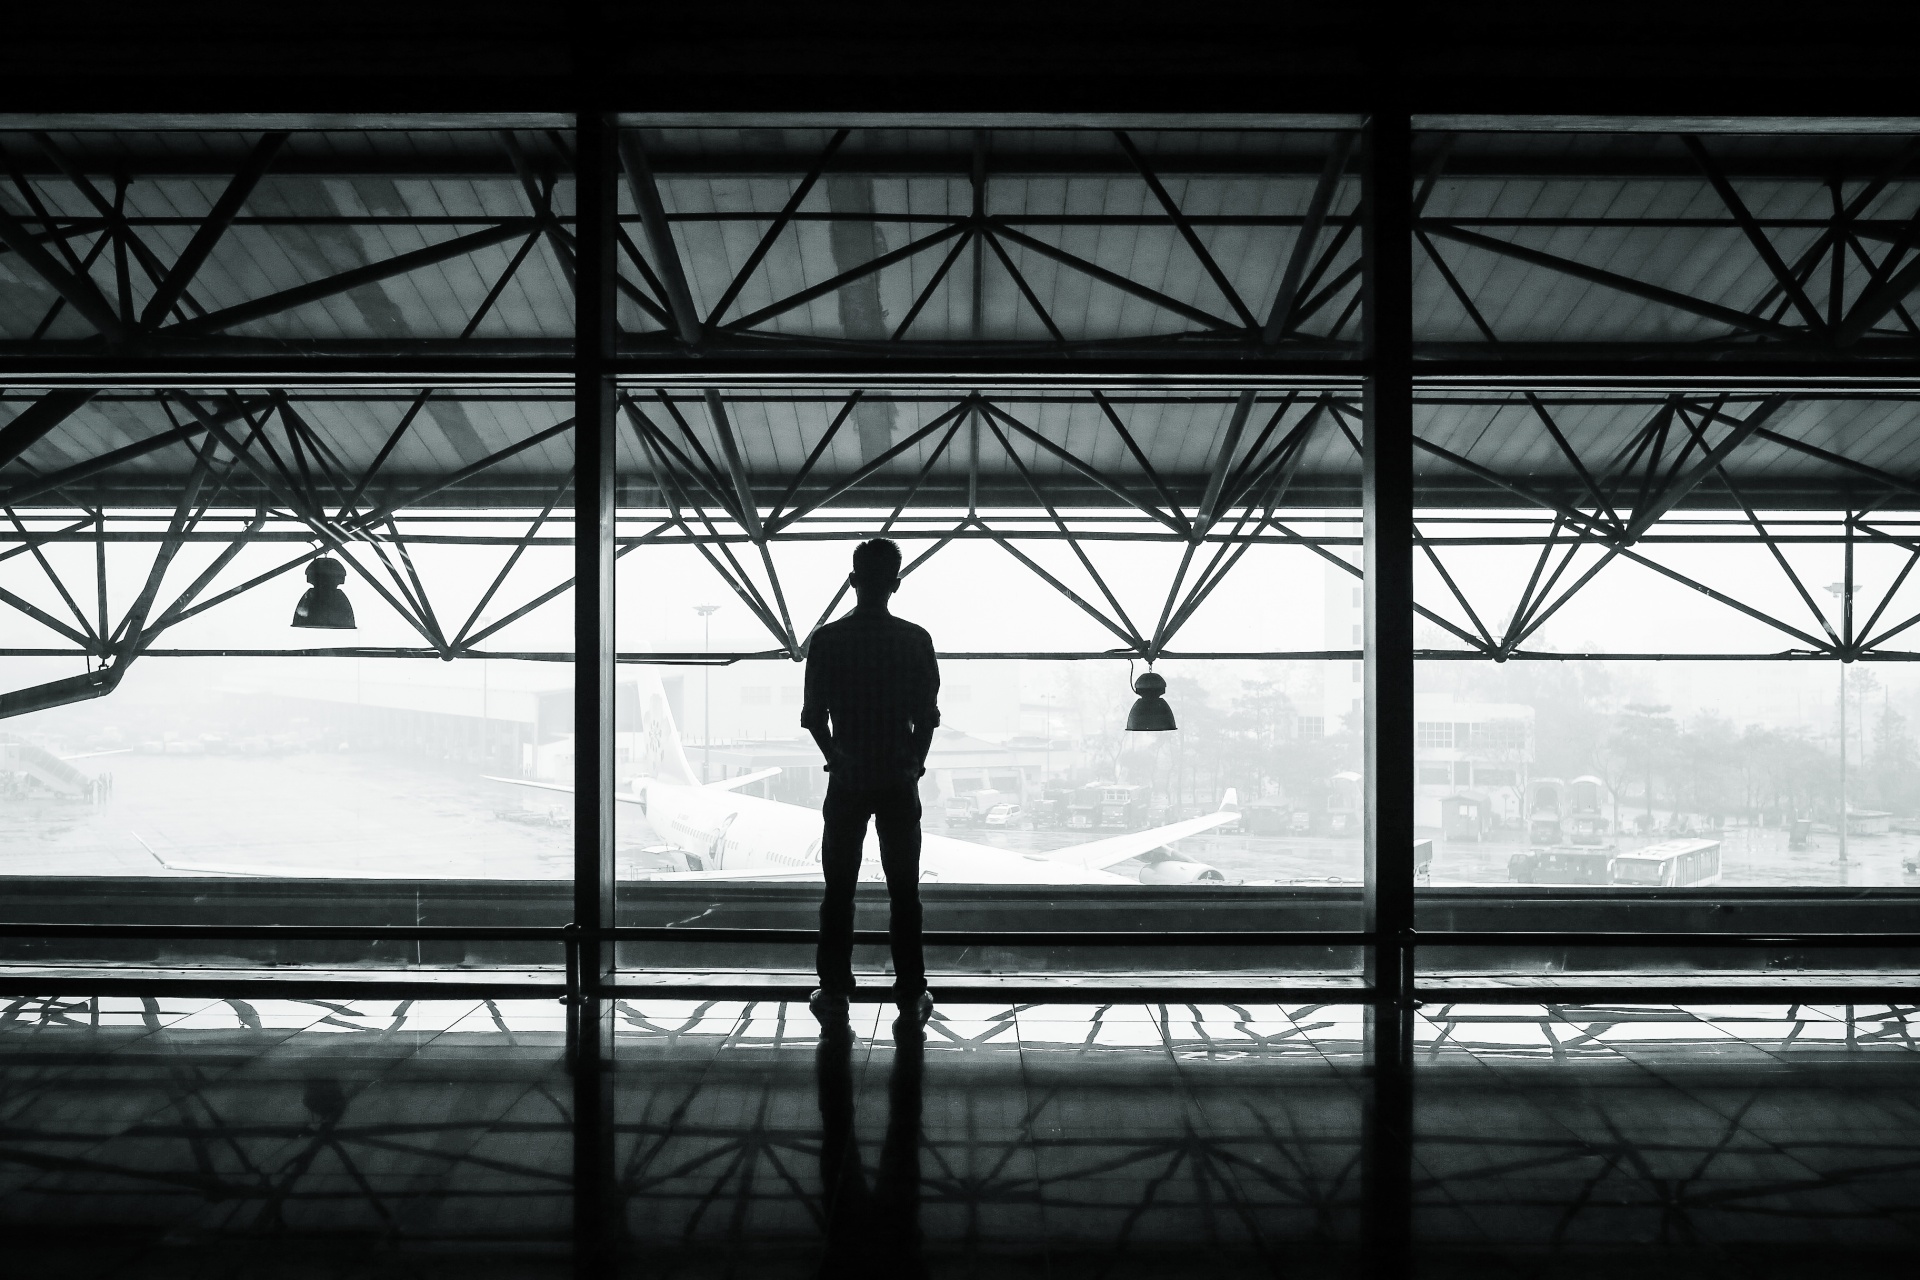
[(1109, 806)]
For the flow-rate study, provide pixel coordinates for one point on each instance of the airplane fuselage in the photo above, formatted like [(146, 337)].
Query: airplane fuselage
[(723, 831)]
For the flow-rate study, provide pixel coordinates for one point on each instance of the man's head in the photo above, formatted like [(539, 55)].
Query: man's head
[(876, 570)]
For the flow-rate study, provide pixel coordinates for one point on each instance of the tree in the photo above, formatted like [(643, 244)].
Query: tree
[(1706, 759), (1891, 770), (1643, 740)]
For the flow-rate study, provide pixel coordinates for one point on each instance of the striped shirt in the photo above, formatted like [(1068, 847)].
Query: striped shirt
[(872, 678)]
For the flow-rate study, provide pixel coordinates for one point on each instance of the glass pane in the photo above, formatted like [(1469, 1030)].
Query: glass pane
[(1039, 810), (287, 745)]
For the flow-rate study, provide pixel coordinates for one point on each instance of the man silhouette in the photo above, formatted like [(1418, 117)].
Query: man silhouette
[(871, 705)]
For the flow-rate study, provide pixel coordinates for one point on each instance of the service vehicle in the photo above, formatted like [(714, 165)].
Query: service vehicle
[(1110, 806), (1562, 864), (1003, 815), (970, 808)]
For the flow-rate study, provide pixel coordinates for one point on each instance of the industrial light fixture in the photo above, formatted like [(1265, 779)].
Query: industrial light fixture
[(1150, 713), (325, 606)]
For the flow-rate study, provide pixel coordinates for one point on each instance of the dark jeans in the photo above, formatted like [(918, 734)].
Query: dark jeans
[(895, 811)]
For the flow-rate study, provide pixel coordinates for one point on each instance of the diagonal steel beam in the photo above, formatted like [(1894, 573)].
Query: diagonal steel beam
[(513, 558), (1301, 540), (1257, 463), (374, 272), (1020, 282), (1722, 597), (940, 273), (127, 636), (736, 578), (80, 638), (219, 218), (1285, 465), (112, 213), (1280, 317), (1879, 299), (1187, 232), (1072, 542), (178, 609), (704, 472), (1544, 611), (59, 584), (1676, 489), (1728, 316), (1573, 458), (906, 500), (79, 292), (1132, 641), (1573, 515), (551, 593), (540, 201), (1433, 558), (1844, 222), (778, 226), (1140, 459), (736, 467), (1223, 462), (1779, 557), (1783, 277), (1114, 279), (314, 520), (472, 469), (1527, 603), (32, 425), (825, 287), (653, 217), (1454, 286), (874, 465), (814, 455), (1087, 469)]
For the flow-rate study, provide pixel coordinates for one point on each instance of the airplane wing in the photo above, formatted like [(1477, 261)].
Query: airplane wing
[(269, 873), (622, 796), (745, 779), (1100, 854), (678, 877), (88, 755)]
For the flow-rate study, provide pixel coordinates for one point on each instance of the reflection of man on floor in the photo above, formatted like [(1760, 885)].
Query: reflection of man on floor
[(871, 705), (871, 1230)]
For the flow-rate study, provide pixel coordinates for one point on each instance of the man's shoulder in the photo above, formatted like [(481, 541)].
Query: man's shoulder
[(857, 624), (913, 629)]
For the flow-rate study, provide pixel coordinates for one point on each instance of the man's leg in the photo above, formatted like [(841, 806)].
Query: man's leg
[(896, 820), (844, 830)]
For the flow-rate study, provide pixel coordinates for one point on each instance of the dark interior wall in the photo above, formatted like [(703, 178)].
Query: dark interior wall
[(1631, 57)]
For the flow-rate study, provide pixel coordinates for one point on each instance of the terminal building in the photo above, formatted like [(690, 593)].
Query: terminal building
[(1415, 512)]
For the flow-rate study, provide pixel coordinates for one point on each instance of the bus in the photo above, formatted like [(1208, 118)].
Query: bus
[(1670, 864), (1562, 864)]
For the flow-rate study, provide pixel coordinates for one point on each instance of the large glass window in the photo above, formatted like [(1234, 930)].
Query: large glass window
[(335, 709), (1040, 811)]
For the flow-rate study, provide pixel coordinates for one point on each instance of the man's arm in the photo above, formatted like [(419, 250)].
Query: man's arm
[(926, 706), (814, 714)]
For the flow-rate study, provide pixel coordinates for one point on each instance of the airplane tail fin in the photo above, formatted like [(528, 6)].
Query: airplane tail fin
[(1230, 802), (662, 757)]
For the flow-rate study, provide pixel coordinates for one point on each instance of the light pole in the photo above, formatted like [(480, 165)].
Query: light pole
[(1844, 591), (706, 612), (1046, 770)]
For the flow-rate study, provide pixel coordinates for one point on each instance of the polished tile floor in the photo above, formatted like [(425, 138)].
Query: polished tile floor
[(196, 1137)]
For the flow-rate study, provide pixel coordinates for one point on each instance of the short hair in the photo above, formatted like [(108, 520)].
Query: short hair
[(877, 561)]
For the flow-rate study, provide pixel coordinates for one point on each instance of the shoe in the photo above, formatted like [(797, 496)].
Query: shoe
[(918, 1010), (829, 1007)]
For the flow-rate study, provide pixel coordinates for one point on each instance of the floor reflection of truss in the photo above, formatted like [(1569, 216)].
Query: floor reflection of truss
[(1108, 1127)]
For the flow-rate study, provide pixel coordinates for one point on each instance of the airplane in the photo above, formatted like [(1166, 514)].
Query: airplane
[(719, 834)]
